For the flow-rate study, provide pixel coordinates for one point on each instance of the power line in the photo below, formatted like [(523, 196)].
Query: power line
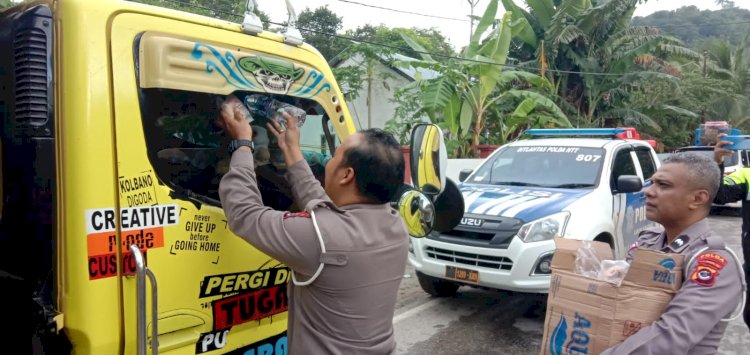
[(465, 20), (440, 54), (672, 25), (403, 12), (378, 44)]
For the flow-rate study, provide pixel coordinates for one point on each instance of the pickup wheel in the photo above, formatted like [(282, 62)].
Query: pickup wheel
[(606, 238), (437, 287)]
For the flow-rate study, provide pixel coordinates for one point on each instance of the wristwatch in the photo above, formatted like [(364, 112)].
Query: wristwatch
[(236, 143)]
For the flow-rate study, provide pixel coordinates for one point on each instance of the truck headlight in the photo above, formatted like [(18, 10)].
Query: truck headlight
[(544, 228)]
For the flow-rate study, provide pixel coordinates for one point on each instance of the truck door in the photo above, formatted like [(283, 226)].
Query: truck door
[(629, 209), (215, 291)]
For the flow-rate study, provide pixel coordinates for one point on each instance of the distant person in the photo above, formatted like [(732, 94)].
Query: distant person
[(735, 187), (347, 250)]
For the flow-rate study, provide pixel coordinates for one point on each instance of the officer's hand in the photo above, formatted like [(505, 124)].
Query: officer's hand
[(287, 138), (234, 120), (719, 151)]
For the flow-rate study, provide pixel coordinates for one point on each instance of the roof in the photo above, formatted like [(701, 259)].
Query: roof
[(410, 71), (407, 72), (576, 142), (695, 147)]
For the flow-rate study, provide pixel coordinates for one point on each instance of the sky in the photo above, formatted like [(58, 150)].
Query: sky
[(454, 23)]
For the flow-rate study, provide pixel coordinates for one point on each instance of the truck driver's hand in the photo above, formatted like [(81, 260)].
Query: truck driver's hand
[(234, 120), (719, 151)]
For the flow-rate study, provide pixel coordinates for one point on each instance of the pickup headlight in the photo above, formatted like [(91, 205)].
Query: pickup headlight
[(544, 228)]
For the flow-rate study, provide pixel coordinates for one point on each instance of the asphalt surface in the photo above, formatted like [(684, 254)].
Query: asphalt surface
[(477, 321)]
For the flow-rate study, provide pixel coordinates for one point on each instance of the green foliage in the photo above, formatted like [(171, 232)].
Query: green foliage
[(430, 40), (694, 26), (475, 97), (230, 10), (595, 60), (350, 79), (409, 111), (353, 78), (5, 3), (317, 27)]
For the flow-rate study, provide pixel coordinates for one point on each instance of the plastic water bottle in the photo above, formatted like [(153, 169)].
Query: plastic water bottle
[(220, 102), (270, 108)]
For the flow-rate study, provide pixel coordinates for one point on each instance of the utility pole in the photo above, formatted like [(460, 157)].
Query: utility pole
[(705, 75), (705, 55), (472, 3)]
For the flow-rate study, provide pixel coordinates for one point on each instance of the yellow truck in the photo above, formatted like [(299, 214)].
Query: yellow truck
[(111, 160)]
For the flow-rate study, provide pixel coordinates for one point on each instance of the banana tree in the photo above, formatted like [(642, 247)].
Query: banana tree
[(468, 87), (588, 50)]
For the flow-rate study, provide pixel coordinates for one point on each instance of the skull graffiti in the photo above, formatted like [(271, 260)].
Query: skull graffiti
[(275, 75)]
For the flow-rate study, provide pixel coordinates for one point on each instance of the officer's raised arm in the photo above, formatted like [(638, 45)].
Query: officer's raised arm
[(720, 152), (734, 186), (287, 237), (301, 179)]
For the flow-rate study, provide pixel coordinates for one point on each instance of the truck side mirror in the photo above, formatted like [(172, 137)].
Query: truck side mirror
[(428, 159), (629, 183), (418, 213), (433, 202), (464, 174)]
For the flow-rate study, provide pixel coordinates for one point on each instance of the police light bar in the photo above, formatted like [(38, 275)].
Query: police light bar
[(574, 131)]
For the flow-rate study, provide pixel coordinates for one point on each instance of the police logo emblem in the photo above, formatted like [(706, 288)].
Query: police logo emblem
[(707, 269)]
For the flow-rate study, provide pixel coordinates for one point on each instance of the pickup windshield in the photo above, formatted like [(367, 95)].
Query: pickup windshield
[(544, 166)]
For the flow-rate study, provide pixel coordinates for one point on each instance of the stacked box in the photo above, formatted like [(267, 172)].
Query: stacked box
[(588, 316)]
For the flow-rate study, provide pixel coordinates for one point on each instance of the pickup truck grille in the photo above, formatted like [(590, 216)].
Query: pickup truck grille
[(490, 262), (485, 232)]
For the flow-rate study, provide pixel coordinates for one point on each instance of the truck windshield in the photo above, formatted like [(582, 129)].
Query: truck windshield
[(544, 166), (188, 149)]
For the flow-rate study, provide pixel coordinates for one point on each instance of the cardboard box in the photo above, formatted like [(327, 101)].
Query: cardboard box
[(588, 316)]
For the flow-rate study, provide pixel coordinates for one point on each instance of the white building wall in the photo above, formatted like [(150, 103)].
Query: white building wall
[(385, 81)]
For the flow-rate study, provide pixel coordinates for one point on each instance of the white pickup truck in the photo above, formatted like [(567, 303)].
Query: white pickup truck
[(575, 183)]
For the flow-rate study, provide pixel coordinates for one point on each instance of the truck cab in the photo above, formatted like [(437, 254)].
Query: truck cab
[(111, 160)]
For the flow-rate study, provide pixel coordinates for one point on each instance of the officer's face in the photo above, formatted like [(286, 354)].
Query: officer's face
[(671, 197), (334, 171)]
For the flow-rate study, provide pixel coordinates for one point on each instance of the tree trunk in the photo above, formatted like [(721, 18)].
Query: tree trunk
[(478, 127), (369, 95)]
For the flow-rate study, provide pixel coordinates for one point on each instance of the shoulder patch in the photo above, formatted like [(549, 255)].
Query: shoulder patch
[(707, 269), (303, 214)]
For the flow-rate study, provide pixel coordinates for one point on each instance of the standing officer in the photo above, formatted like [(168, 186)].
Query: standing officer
[(347, 252), (734, 188), (680, 200)]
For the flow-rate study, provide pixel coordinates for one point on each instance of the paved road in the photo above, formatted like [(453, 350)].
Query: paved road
[(479, 321)]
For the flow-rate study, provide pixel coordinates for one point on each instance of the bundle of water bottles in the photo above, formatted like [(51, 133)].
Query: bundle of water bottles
[(269, 108), (590, 265)]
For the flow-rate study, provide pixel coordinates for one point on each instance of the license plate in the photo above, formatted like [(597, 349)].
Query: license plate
[(460, 274)]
